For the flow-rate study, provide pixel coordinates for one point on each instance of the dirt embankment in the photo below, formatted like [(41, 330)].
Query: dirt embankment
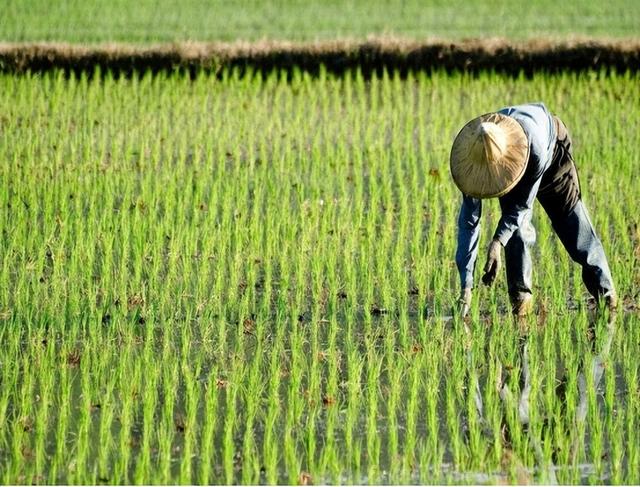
[(337, 56)]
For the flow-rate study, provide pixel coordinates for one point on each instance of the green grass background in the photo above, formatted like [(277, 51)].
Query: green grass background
[(148, 21)]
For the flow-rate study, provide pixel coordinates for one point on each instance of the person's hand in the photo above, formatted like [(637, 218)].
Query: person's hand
[(493, 264), (465, 302)]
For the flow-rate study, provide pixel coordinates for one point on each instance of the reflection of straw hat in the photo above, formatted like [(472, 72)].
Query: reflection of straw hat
[(489, 156)]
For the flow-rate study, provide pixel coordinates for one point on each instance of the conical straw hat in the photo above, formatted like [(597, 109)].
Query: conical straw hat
[(489, 156)]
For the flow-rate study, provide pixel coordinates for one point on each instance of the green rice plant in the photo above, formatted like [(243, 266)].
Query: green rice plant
[(150, 23), (249, 279)]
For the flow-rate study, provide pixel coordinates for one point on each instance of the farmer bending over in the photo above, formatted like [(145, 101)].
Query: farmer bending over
[(517, 154)]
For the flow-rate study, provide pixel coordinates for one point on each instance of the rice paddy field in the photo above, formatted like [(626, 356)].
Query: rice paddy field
[(151, 21), (250, 279)]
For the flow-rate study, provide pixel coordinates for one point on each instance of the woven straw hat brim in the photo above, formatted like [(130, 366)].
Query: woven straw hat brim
[(480, 174)]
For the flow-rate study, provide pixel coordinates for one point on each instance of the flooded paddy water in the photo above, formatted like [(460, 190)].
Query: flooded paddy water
[(249, 279), (451, 407)]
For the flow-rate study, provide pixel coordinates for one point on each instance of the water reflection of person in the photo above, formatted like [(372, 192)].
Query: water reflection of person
[(591, 372)]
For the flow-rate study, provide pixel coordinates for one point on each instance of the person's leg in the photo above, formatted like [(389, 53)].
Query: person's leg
[(579, 238), (560, 197), (518, 267)]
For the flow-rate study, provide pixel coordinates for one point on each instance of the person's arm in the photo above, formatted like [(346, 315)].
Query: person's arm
[(514, 210), (516, 203), (468, 237), (515, 206)]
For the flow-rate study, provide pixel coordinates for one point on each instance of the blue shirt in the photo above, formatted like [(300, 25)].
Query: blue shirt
[(538, 125)]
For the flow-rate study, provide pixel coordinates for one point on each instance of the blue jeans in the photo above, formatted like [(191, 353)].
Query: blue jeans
[(559, 195)]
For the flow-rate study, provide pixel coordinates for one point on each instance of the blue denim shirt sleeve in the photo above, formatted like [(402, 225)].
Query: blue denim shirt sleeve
[(519, 201), (540, 129), (468, 237)]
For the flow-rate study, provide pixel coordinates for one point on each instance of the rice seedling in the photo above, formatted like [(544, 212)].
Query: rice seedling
[(250, 279)]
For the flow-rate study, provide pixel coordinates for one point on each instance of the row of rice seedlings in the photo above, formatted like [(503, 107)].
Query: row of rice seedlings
[(223, 297)]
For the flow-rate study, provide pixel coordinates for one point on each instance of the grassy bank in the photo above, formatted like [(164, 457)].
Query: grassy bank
[(370, 58)]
